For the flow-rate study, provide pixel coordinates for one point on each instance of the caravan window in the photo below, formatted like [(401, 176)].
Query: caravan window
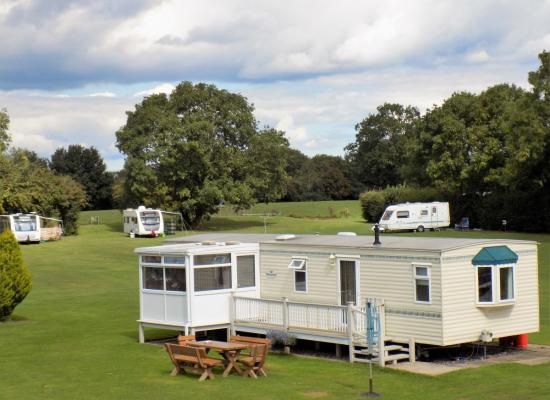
[(300, 278), (424, 212), (387, 215), (402, 214), (175, 279), (211, 259), (495, 284), (246, 272), (24, 224), (422, 283), (151, 259)]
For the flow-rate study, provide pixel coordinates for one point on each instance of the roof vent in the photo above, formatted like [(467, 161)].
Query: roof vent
[(232, 242), (285, 237), (347, 234), (208, 242)]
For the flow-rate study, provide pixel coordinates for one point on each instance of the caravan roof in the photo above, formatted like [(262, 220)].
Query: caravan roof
[(363, 241)]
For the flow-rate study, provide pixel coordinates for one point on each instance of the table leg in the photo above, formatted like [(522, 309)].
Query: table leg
[(231, 359)]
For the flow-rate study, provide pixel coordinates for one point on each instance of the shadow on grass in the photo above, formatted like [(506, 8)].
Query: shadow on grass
[(228, 224), (13, 319)]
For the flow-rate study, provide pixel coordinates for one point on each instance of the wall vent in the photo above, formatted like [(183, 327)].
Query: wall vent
[(282, 238)]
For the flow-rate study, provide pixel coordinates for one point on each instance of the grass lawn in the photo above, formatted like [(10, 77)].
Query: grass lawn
[(75, 336)]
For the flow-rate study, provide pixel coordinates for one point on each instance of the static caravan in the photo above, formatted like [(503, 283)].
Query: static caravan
[(31, 228), (415, 216), (426, 291)]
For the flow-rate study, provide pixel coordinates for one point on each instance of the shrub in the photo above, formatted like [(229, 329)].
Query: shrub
[(372, 205), (15, 279)]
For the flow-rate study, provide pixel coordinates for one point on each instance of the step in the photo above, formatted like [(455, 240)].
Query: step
[(364, 352), (393, 347), (396, 357)]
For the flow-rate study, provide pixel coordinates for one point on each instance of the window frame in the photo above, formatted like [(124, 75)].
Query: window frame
[(303, 270), (398, 216), (427, 277), (162, 265), (495, 285), (246, 288), (232, 260)]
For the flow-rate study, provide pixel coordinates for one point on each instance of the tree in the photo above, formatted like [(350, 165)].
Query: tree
[(378, 152), (86, 166), (27, 186), (15, 279), (197, 148), (4, 125)]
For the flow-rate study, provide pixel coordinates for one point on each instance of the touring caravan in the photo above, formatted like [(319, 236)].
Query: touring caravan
[(148, 221), (415, 216), (31, 228)]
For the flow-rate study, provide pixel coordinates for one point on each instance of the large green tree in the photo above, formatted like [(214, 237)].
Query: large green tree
[(4, 134), (86, 166), (199, 147), (376, 157)]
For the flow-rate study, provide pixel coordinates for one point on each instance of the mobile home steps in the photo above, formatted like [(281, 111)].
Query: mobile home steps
[(427, 291)]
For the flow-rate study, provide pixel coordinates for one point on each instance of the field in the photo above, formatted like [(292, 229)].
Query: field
[(75, 336)]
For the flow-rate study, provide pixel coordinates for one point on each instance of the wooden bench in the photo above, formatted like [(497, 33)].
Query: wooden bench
[(254, 362), (183, 339), (191, 359), (248, 339)]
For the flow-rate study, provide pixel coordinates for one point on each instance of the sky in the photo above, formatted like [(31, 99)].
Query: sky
[(69, 70)]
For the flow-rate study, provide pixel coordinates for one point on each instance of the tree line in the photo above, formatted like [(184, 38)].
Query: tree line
[(201, 147)]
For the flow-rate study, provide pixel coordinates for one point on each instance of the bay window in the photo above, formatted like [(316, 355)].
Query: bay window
[(495, 284)]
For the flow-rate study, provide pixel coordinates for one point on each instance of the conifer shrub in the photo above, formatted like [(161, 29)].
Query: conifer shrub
[(15, 278)]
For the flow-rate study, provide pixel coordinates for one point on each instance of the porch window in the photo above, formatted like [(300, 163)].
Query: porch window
[(151, 259), (300, 277), (422, 283), (175, 279), (174, 260), (212, 278), (246, 272), (212, 259), (153, 278)]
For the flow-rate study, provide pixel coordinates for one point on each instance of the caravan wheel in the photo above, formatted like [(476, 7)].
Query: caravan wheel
[(420, 228)]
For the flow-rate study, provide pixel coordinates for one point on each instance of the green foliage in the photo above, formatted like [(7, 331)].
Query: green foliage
[(4, 135), (15, 279), (321, 177), (372, 205), (27, 185), (376, 156), (197, 148), (86, 166)]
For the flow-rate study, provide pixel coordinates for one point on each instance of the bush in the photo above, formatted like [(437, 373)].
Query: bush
[(372, 205), (15, 279)]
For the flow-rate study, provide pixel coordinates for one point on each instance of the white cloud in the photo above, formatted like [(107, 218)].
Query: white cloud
[(477, 56), (162, 88), (102, 94)]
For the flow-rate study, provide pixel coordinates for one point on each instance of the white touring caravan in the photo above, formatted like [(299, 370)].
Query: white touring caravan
[(148, 221), (415, 216), (31, 228)]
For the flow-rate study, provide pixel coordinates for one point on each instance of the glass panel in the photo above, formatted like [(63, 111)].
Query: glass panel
[(485, 284), (297, 263), (347, 282), (422, 290), (300, 281), (387, 215), (175, 279), (212, 278), (245, 271), (24, 223), (424, 212), (421, 271), (151, 259), (209, 259), (152, 278), (174, 260), (506, 283), (402, 214)]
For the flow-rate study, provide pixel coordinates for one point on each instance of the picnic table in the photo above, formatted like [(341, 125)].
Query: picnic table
[(228, 350)]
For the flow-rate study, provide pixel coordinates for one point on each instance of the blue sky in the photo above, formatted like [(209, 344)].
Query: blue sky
[(70, 69)]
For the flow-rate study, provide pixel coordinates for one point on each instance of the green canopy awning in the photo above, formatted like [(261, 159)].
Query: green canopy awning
[(495, 255)]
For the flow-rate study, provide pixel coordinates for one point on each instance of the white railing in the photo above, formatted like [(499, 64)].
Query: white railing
[(259, 311), (317, 316)]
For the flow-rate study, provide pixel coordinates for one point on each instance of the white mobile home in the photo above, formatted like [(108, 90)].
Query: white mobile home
[(31, 228), (415, 216), (427, 291)]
